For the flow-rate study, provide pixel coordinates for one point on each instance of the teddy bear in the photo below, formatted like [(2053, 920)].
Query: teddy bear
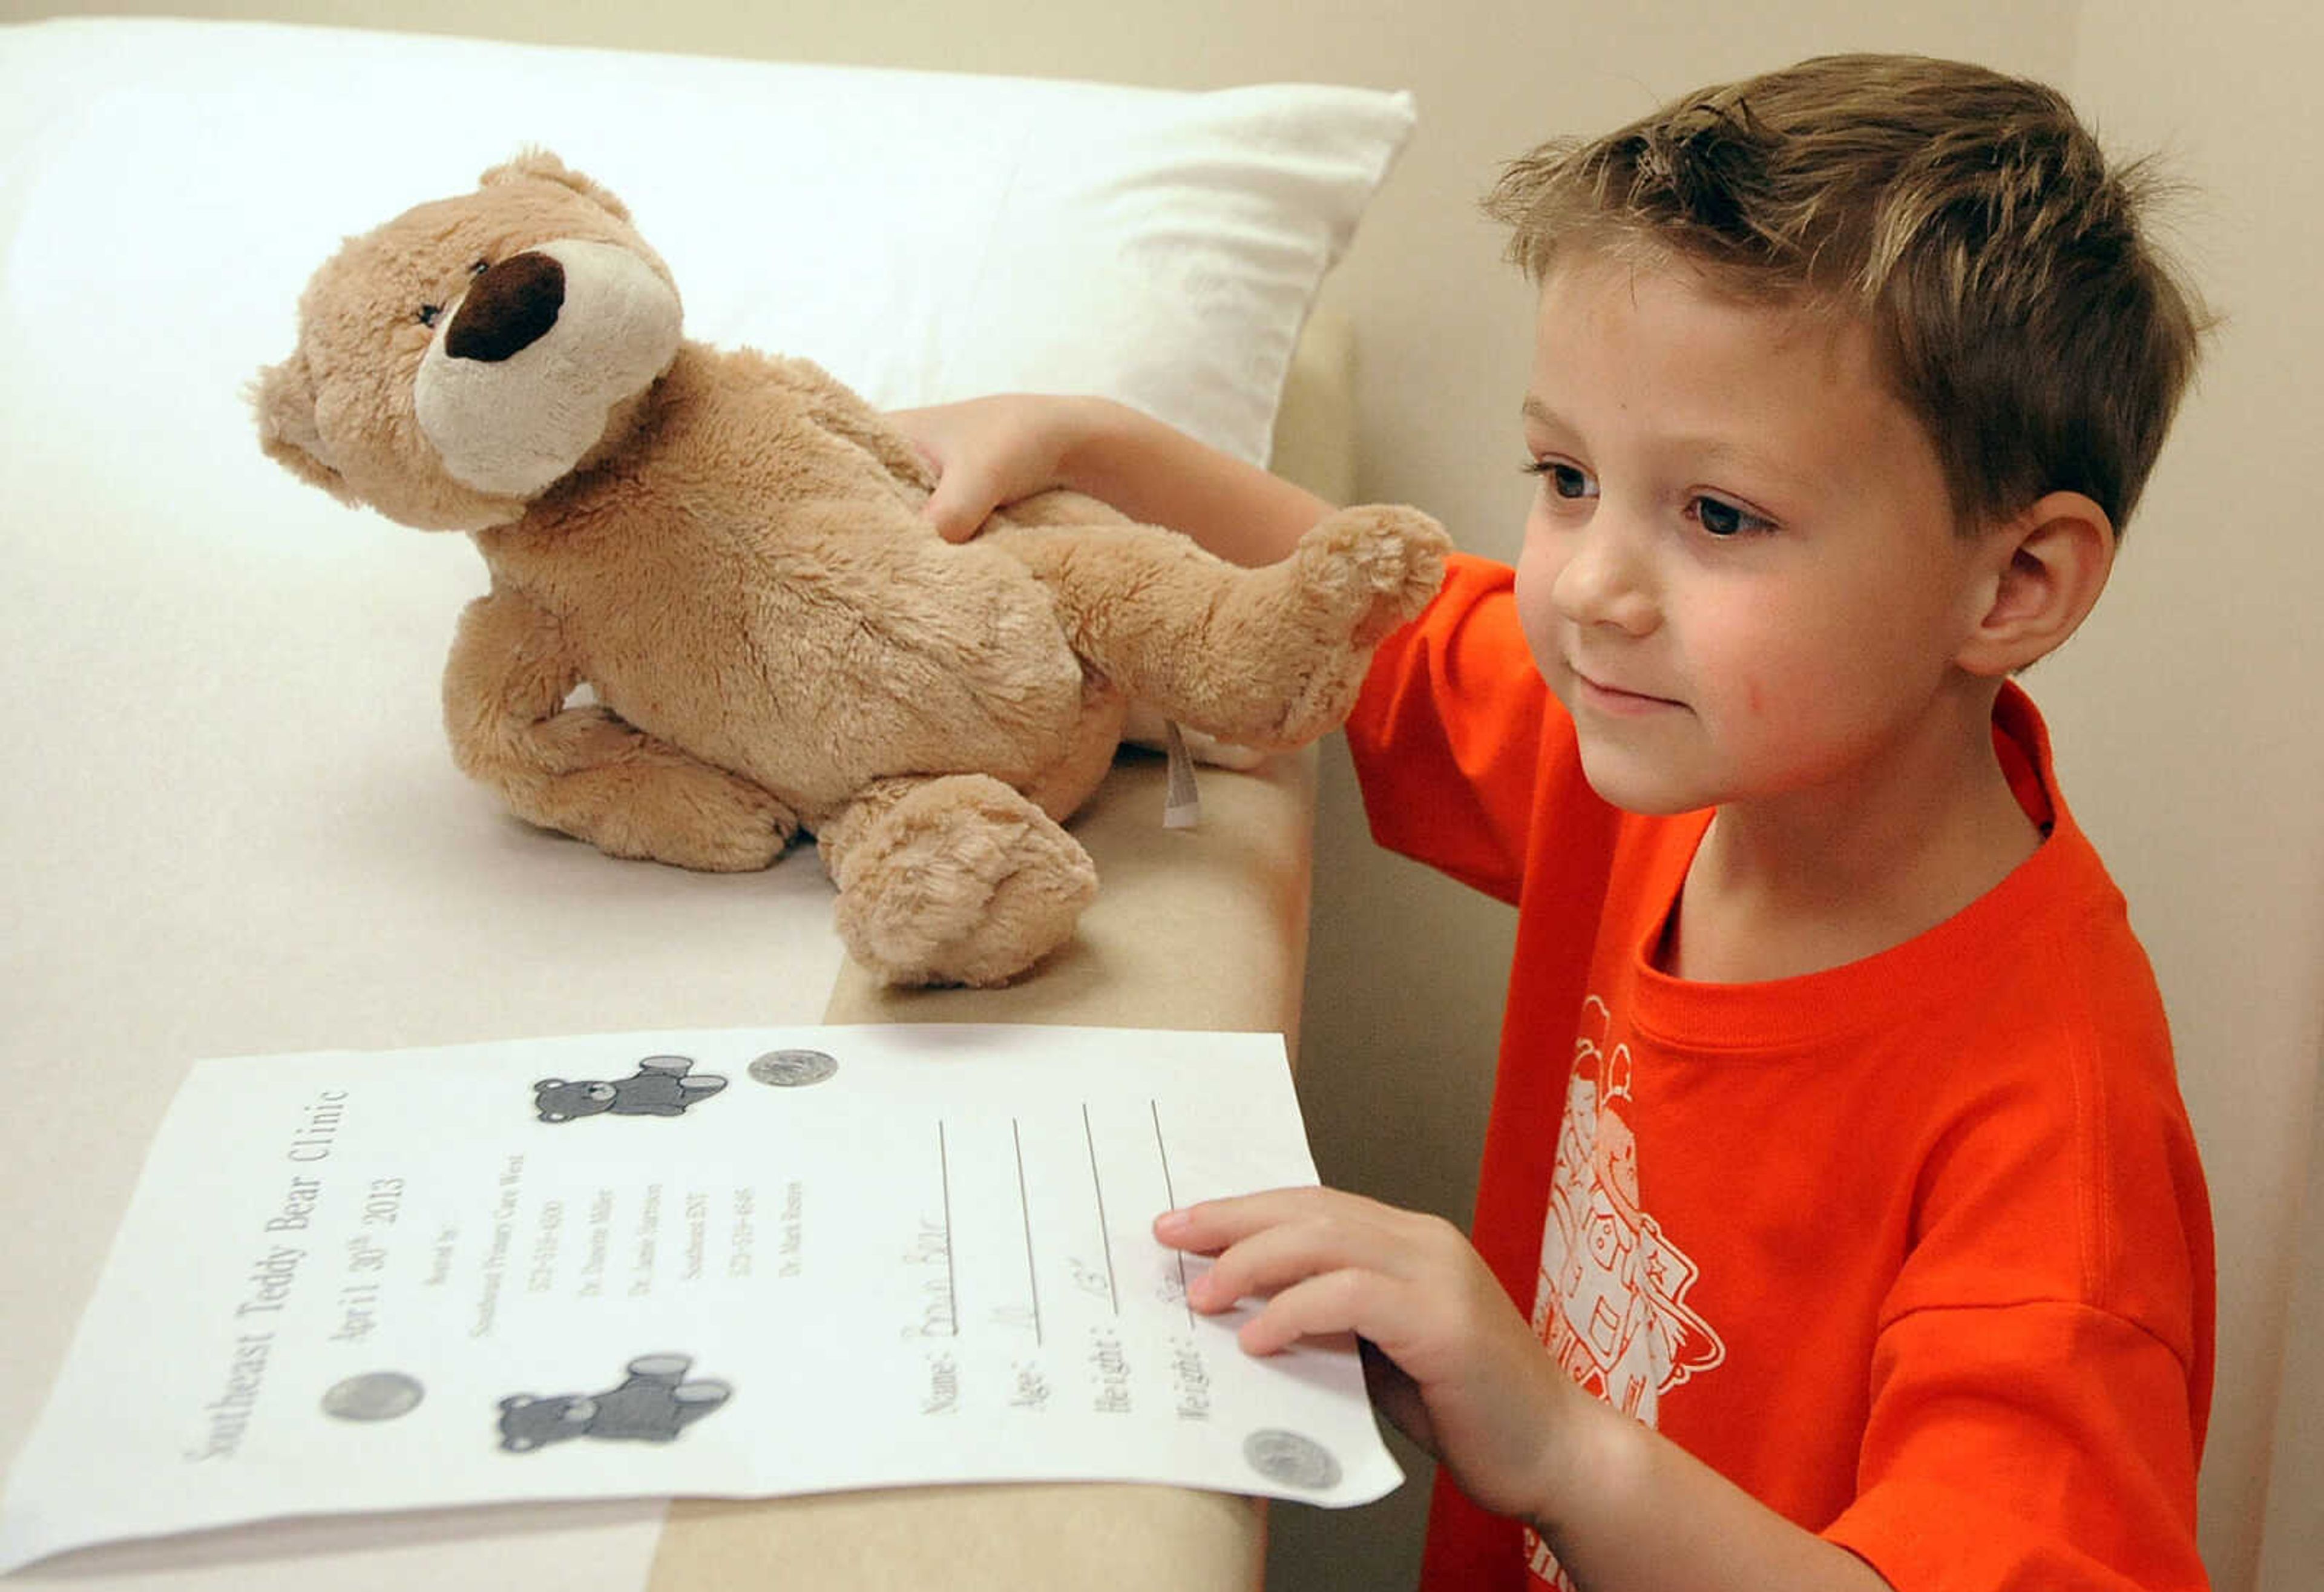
[(662, 1085), (723, 545), (654, 1404)]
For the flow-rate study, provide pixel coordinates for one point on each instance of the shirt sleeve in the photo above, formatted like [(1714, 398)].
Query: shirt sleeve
[(2042, 1447), (1448, 735)]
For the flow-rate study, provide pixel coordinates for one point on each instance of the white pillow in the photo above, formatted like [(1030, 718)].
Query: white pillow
[(166, 186)]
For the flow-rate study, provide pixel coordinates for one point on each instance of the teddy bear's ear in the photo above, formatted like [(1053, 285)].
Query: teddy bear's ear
[(283, 399), (539, 164)]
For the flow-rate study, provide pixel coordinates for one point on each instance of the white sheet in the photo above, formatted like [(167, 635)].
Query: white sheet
[(722, 1263)]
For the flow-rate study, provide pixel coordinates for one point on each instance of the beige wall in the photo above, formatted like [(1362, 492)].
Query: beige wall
[(2184, 716), (2189, 722)]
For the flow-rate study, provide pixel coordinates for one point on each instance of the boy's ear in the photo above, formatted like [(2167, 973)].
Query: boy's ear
[(2049, 564)]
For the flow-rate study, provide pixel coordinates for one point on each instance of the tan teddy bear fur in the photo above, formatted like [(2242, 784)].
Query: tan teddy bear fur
[(724, 546)]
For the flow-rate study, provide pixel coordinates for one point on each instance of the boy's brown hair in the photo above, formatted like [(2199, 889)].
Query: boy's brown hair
[(1966, 217)]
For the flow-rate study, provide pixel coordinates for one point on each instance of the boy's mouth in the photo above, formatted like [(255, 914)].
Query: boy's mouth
[(1610, 697)]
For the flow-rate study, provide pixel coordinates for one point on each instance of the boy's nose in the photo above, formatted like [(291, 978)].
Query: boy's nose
[(1606, 579)]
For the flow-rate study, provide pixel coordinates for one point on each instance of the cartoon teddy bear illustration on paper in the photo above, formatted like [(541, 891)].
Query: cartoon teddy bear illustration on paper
[(653, 1405), (662, 1085)]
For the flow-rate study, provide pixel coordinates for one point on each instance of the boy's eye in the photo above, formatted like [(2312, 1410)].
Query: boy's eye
[(1562, 479), (1725, 519)]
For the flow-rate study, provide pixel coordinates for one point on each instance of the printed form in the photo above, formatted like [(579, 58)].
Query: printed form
[(731, 1262)]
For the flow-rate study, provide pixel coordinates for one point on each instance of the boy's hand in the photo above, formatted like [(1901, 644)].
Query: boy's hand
[(1467, 1379), (988, 453), (1464, 1375)]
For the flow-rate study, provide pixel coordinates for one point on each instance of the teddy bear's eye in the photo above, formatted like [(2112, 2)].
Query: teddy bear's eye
[(480, 267), (429, 312)]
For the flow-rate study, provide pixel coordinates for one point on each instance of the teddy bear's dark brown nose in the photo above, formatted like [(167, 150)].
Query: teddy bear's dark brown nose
[(508, 308)]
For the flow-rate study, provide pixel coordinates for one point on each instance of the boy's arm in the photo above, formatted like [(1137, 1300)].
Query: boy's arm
[(1648, 1516), (990, 452)]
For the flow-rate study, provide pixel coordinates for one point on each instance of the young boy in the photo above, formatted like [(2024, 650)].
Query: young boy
[(1839, 1224)]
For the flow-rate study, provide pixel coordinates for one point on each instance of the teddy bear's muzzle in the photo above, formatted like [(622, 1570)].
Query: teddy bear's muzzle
[(508, 308), (538, 359)]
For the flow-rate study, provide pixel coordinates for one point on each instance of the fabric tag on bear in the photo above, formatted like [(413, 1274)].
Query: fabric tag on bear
[(1182, 804)]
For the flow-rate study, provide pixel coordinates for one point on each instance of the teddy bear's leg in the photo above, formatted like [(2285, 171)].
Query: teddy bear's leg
[(582, 770), (1270, 657), (957, 879)]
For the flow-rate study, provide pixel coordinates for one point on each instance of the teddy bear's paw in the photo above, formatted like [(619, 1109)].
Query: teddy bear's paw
[(1365, 571), (1356, 576), (723, 825), (962, 880), (658, 803)]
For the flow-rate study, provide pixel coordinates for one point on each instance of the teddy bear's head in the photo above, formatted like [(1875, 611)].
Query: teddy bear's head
[(456, 363)]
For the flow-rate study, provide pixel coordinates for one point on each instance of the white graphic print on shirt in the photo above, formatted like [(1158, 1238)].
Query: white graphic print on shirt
[(1609, 1302)]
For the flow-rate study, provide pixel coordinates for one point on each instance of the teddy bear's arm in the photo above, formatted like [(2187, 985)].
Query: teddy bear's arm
[(582, 770)]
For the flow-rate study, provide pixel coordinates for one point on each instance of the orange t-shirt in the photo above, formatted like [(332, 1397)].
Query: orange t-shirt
[(1916, 1250)]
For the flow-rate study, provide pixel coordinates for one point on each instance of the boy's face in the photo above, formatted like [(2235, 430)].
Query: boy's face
[(1741, 574)]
